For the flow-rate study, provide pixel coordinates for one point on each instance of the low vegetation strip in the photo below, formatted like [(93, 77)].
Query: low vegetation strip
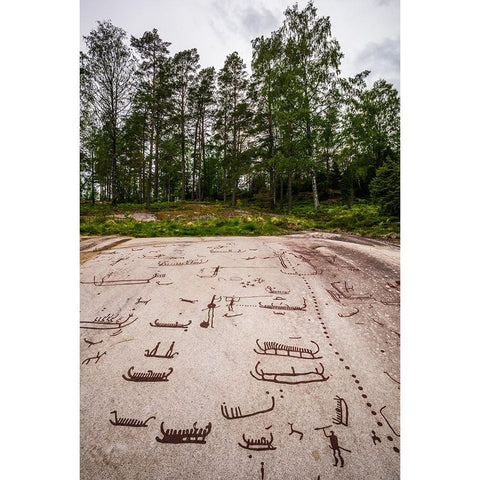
[(215, 219)]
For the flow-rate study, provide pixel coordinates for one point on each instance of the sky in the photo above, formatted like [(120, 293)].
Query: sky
[(368, 30)]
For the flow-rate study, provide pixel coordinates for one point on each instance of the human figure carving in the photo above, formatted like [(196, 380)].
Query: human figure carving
[(375, 438)]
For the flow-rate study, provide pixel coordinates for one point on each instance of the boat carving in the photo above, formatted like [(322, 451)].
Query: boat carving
[(170, 325), (280, 292), (290, 378), (274, 348), (125, 281), (192, 261), (108, 322), (148, 376), (258, 444), (284, 307), (189, 435), (235, 413), (128, 422)]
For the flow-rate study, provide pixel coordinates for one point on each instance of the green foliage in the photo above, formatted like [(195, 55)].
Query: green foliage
[(213, 219), (292, 130), (385, 188)]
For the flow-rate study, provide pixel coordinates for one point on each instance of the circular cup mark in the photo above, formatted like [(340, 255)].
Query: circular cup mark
[(390, 438), (380, 424), (369, 404), (395, 449), (360, 388), (373, 412)]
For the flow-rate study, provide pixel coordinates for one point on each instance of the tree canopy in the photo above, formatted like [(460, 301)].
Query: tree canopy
[(156, 127)]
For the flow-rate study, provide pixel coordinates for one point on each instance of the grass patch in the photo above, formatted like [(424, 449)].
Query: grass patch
[(215, 219)]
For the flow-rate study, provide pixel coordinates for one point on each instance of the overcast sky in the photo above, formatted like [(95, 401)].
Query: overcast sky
[(368, 30)]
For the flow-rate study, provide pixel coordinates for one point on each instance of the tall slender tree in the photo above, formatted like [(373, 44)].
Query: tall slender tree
[(232, 113), (185, 64), (201, 99), (266, 53), (153, 73), (313, 58), (110, 68)]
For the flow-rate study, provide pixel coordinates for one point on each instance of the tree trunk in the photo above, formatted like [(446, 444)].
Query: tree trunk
[(202, 157), (184, 176), (289, 189), (157, 167), (315, 190), (114, 172), (93, 179), (270, 155), (194, 160)]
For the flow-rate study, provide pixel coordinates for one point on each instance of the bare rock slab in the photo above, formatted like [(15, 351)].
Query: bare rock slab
[(234, 357)]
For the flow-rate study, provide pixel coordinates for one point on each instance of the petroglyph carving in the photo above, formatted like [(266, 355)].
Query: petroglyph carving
[(189, 435), (258, 444), (236, 412), (388, 423), (341, 411), (345, 292), (119, 260), (170, 325), (91, 343), (108, 322), (391, 378), (139, 300), (252, 283), (292, 378), (350, 314), (211, 313), (213, 274), (335, 296), (284, 307), (217, 250), (275, 348), (337, 449), (292, 431), (276, 290), (128, 422), (389, 302), (148, 376), (375, 439), (125, 281), (187, 300), (96, 358), (169, 353), (191, 261)]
